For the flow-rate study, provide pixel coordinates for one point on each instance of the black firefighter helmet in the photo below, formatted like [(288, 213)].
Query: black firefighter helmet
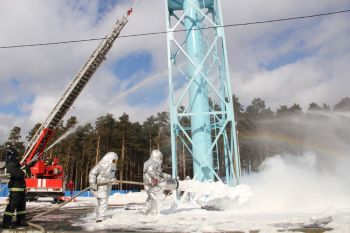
[(11, 155)]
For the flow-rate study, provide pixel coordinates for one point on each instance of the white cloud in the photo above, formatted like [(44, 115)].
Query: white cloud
[(308, 79), (44, 72)]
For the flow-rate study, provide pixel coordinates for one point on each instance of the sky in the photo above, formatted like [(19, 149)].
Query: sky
[(299, 61)]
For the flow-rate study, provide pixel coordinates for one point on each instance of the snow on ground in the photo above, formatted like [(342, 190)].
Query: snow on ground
[(190, 217), (41, 203)]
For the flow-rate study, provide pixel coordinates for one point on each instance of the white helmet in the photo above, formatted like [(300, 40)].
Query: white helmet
[(157, 156), (110, 157)]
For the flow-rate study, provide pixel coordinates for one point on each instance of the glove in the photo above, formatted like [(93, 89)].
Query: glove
[(114, 180), (93, 187), (154, 182)]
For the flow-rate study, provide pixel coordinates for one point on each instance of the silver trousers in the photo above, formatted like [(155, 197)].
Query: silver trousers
[(151, 201), (101, 210)]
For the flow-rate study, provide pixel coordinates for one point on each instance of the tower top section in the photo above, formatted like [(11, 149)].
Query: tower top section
[(174, 5)]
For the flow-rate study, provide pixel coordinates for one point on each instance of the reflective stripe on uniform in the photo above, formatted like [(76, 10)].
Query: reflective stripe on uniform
[(8, 213), (17, 189), (21, 212)]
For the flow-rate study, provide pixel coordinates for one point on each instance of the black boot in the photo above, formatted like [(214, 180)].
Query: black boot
[(7, 222), (21, 220)]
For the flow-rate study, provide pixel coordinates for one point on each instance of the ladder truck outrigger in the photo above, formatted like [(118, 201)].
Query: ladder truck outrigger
[(48, 179)]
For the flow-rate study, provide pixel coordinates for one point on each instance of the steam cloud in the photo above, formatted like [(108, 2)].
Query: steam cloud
[(318, 179)]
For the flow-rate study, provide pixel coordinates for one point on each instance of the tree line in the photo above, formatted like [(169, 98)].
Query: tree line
[(260, 134)]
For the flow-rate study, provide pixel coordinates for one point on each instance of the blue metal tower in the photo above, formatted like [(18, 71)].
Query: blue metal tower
[(201, 108)]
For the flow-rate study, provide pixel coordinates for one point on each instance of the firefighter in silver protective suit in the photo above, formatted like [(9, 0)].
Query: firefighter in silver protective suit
[(152, 176), (103, 172)]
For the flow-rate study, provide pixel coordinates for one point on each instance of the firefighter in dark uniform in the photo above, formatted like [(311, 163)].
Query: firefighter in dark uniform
[(17, 186)]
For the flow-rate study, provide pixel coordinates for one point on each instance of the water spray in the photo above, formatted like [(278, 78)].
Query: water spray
[(66, 134)]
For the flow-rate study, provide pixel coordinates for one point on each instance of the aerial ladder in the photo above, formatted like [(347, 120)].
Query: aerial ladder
[(48, 179)]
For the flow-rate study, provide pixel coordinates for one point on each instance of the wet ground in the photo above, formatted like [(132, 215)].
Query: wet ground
[(60, 220), (65, 220)]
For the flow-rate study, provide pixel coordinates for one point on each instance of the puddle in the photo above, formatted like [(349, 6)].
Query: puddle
[(308, 230)]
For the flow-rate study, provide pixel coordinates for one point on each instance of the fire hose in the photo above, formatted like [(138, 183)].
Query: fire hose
[(84, 190), (42, 229), (166, 184)]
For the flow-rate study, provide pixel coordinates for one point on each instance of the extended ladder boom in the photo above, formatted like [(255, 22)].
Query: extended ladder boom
[(38, 143)]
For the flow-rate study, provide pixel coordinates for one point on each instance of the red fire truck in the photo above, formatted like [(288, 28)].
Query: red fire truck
[(48, 179)]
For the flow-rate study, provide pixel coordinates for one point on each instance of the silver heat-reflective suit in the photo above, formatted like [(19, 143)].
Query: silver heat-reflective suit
[(152, 176), (104, 171)]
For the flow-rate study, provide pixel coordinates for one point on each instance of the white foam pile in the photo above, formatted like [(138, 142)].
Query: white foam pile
[(216, 195), (128, 198)]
